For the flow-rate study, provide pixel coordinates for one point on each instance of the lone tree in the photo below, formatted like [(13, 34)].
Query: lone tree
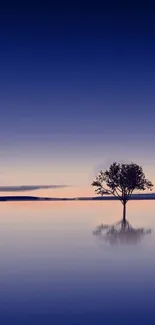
[(121, 180)]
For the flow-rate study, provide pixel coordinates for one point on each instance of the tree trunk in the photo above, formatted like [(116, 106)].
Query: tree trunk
[(124, 212)]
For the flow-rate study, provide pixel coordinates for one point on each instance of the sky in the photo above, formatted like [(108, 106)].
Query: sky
[(76, 91)]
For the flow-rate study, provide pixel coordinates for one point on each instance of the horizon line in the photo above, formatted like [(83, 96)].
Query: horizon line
[(138, 196)]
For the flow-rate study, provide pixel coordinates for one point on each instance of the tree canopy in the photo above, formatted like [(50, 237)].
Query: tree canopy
[(121, 180)]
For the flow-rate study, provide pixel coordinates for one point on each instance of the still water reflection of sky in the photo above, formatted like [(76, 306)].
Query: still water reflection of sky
[(53, 270)]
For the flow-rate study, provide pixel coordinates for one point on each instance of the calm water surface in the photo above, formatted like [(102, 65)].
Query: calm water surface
[(55, 270)]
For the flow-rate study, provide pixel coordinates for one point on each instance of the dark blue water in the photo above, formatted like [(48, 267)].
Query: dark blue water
[(54, 270)]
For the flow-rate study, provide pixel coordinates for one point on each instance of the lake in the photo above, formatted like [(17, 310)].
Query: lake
[(54, 269)]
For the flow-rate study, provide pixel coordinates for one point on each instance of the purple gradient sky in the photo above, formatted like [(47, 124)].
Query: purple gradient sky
[(77, 91)]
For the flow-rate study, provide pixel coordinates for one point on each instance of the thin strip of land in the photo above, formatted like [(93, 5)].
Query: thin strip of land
[(89, 198)]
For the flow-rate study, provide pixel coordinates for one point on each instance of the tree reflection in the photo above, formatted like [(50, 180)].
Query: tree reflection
[(120, 233)]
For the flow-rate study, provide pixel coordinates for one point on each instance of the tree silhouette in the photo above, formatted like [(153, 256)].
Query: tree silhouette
[(120, 233), (121, 180)]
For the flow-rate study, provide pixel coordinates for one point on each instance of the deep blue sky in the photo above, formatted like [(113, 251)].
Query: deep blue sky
[(76, 87)]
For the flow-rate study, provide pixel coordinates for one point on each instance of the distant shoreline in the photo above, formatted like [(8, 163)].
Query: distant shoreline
[(90, 198)]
